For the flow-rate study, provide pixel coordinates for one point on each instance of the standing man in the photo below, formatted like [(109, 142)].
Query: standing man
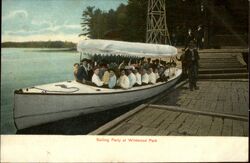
[(82, 73), (192, 57), (199, 37), (183, 65), (189, 38)]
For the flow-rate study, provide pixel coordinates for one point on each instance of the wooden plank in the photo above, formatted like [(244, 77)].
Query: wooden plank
[(162, 132), (183, 94), (140, 116), (121, 129), (186, 102), (234, 98), (149, 131), (154, 116), (212, 95), (169, 120), (177, 122), (116, 121), (243, 108), (235, 106), (206, 105), (175, 134), (147, 115), (132, 129), (227, 107), (141, 131), (191, 105), (180, 109), (160, 119), (221, 95), (198, 105), (245, 128), (216, 128), (219, 107), (238, 128), (179, 101), (212, 106), (199, 95), (246, 97), (152, 131), (227, 127), (146, 131), (114, 129), (205, 125), (195, 126), (186, 125)]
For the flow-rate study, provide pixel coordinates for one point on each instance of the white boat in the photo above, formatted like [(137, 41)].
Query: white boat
[(51, 102)]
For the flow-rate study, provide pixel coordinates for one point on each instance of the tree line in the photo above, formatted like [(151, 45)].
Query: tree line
[(128, 22), (39, 44)]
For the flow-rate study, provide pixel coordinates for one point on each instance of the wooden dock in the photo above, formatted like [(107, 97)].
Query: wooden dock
[(219, 108), (165, 120)]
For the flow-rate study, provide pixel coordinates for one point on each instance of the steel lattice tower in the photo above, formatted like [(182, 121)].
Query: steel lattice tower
[(157, 31)]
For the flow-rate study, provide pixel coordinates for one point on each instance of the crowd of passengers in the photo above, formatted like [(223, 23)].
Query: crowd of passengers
[(131, 72)]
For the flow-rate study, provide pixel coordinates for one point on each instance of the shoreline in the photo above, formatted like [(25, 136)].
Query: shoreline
[(42, 49)]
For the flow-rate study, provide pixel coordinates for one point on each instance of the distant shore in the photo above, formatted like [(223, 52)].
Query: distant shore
[(68, 46), (57, 50)]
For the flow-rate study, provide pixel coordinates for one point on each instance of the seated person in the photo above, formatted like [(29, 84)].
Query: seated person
[(137, 76), (76, 67), (82, 73), (144, 77), (90, 68), (157, 76), (151, 76), (95, 78), (161, 74), (123, 81), (122, 65), (166, 74), (131, 77), (105, 77), (112, 79), (102, 70)]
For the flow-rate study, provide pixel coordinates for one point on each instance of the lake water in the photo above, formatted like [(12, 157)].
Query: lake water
[(24, 67)]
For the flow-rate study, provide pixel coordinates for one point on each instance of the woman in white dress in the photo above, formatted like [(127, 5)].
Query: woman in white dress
[(96, 79)]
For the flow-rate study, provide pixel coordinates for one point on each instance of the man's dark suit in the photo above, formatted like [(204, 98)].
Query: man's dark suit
[(199, 37), (192, 57), (82, 74), (188, 39)]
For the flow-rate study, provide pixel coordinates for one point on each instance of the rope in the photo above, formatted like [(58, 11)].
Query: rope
[(62, 86)]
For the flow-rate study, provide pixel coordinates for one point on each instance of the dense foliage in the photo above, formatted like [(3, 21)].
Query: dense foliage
[(128, 22)]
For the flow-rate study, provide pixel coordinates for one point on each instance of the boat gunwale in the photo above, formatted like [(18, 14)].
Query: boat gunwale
[(101, 93)]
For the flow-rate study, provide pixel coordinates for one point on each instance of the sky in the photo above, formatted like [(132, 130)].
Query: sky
[(43, 20)]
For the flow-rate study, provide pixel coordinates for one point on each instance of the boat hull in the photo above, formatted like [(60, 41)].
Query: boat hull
[(36, 109)]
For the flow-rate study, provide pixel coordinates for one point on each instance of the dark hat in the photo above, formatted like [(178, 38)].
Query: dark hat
[(84, 59), (96, 67), (111, 69), (122, 69)]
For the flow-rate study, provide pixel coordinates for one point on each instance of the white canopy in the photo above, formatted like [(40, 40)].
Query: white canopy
[(108, 47)]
